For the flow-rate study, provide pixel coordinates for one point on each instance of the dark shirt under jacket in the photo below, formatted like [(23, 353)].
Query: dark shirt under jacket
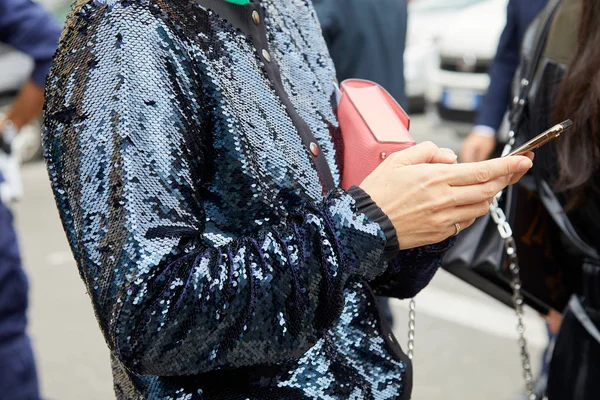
[(366, 40)]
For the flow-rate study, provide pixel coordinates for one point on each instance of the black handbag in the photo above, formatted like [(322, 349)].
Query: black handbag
[(480, 255), (518, 219)]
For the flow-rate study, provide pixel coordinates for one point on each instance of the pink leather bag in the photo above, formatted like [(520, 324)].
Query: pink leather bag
[(373, 126)]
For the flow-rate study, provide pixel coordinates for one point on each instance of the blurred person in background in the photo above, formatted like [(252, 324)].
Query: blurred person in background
[(366, 40), (567, 86), (30, 29), (481, 142)]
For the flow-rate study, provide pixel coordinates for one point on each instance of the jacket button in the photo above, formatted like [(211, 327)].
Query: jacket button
[(314, 149), (256, 17), (266, 55)]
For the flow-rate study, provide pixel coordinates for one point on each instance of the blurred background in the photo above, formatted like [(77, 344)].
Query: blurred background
[(466, 342)]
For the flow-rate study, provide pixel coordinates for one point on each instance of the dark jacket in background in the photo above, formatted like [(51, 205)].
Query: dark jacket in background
[(27, 27), (520, 13), (366, 40)]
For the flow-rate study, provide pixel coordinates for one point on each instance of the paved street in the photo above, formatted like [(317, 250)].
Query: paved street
[(466, 345)]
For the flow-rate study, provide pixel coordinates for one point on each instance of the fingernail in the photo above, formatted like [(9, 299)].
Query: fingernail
[(525, 164)]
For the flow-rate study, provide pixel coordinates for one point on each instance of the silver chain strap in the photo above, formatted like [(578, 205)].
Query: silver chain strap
[(505, 231), (412, 306), (513, 260), (510, 247)]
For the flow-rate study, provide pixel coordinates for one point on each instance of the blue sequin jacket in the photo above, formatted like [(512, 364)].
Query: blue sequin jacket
[(218, 265)]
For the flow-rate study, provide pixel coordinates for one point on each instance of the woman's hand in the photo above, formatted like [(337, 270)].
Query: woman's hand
[(424, 193)]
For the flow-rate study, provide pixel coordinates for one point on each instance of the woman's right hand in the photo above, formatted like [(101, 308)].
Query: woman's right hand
[(425, 193)]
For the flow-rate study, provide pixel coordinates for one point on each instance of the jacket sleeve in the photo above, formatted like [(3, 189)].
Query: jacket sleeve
[(26, 26), (502, 72), (411, 271), (121, 120)]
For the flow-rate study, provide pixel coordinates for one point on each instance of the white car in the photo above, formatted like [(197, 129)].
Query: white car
[(428, 21), (466, 50)]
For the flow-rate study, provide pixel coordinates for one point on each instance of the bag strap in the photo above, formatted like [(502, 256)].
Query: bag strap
[(577, 309), (556, 211)]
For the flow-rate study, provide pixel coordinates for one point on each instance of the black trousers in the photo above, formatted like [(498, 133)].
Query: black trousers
[(575, 366)]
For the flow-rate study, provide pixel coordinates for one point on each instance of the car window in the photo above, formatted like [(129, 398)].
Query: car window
[(432, 6)]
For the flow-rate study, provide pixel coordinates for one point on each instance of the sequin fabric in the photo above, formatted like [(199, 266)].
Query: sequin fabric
[(216, 266)]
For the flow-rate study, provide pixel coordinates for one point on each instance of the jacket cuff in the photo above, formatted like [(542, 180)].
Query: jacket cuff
[(366, 205)]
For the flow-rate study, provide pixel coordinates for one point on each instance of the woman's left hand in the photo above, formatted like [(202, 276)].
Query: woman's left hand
[(428, 197)]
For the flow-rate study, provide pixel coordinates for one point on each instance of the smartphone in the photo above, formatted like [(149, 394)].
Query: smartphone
[(542, 138)]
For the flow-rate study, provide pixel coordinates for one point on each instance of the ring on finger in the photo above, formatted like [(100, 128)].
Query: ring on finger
[(458, 228)]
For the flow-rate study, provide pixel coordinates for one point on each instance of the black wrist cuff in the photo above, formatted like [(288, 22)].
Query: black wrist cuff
[(367, 206)]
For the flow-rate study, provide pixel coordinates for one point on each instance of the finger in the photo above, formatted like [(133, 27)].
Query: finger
[(468, 212), (517, 177), (485, 171), (454, 230), (529, 154), (465, 195), (422, 153), (449, 157), (465, 224)]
